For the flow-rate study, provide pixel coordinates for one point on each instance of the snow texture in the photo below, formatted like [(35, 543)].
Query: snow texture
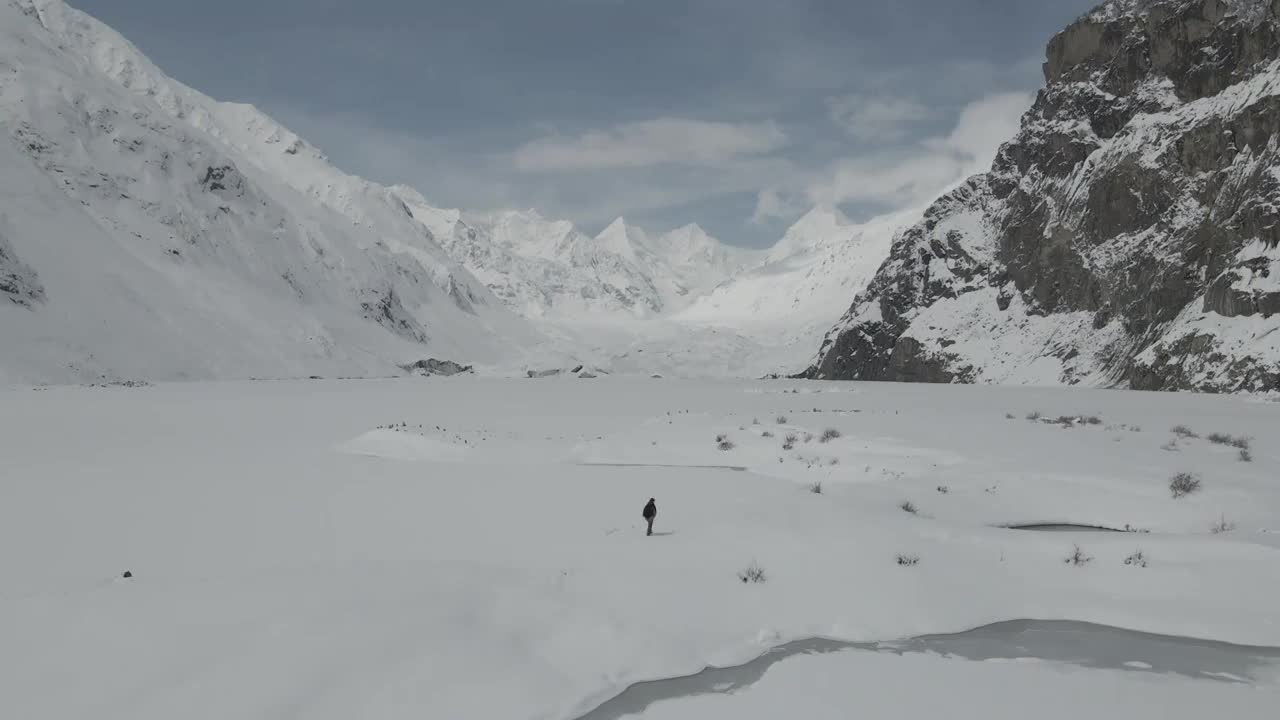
[(439, 549)]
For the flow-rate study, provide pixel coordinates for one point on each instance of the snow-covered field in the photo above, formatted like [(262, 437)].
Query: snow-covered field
[(294, 556)]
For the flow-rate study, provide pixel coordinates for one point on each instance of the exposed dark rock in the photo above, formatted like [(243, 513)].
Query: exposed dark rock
[(224, 181), (1135, 214), (387, 311), (432, 366), (19, 283)]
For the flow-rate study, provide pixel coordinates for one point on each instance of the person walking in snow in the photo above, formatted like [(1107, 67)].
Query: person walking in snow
[(650, 512)]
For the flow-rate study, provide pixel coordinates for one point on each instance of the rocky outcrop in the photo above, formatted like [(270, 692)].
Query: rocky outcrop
[(1126, 236), (432, 366), (19, 283), (387, 310)]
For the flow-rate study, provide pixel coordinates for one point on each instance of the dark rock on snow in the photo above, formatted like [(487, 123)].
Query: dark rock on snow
[(18, 281), (432, 366), (543, 373)]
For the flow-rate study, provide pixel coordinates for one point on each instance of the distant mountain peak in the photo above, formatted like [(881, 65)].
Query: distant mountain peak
[(816, 229)]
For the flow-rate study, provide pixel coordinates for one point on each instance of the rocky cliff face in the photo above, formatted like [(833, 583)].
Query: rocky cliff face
[(1127, 236)]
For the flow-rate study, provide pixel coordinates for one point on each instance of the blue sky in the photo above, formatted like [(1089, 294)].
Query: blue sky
[(736, 114)]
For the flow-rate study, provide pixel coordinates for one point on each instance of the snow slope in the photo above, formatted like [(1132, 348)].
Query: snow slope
[(761, 319), (804, 284), (148, 231), (294, 555)]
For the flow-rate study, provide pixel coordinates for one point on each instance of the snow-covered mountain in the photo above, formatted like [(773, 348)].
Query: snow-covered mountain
[(684, 263), (149, 231), (549, 269), (1127, 235), (803, 283), (542, 268)]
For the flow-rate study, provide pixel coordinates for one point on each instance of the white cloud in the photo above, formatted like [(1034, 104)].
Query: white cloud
[(984, 126), (660, 172), (773, 203), (915, 174), (662, 141), (872, 119)]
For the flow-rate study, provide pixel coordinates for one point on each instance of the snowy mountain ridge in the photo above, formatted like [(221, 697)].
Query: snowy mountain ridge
[(149, 231), (1251, 11)]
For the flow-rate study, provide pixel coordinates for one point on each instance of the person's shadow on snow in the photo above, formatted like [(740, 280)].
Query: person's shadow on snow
[(664, 534)]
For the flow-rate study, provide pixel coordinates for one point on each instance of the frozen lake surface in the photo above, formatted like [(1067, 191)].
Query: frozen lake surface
[(1061, 641)]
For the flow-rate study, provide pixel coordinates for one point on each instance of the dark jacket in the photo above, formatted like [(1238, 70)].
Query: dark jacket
[(650, 510)]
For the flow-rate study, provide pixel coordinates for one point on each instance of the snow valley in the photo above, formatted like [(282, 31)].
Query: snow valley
[(474, 548), (226, 490), (150, 232)]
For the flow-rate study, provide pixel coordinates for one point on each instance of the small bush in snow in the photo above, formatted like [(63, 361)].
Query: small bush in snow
[(1245, 455), (1009, 416), (808, 437), (943, 489), (1067, 421), (755, 421), (1222, 526), (1078, 557), (1137, 559), (908, 560), (1034, 416), (1183, 484), (721, 438), (766, 433), (726, 444), (789, 441), (816, 488), (1183, 431), (781, 420), (1242, 443), (753, 573), (829, 434), (910, 507)]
